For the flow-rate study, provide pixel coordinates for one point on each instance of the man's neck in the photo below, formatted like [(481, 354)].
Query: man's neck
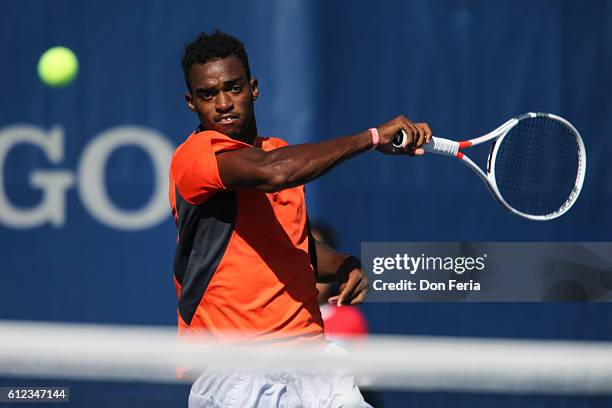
[(248, 137)]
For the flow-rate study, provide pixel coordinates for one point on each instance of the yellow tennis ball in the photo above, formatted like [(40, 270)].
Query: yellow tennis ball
[(58, 66)]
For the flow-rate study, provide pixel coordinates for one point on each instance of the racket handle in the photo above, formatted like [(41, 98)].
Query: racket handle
[(437, 145)]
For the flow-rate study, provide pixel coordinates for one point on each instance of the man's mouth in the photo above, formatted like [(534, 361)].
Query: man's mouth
[(226, 119)]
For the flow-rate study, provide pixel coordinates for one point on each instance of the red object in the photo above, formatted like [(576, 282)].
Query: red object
[(344, 321)]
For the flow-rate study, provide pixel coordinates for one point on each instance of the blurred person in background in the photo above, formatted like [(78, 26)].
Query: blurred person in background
[(245, 261)]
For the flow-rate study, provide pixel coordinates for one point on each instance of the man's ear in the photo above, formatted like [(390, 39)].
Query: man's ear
[(254, 88), (189, 100)]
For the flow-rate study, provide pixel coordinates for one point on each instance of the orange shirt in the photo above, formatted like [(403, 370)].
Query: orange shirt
[(242, 263)]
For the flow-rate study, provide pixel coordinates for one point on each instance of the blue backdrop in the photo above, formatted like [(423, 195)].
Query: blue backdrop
[(84, 225)]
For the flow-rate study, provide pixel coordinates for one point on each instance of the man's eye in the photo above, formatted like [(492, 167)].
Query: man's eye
[(236, 88), (206, 96)]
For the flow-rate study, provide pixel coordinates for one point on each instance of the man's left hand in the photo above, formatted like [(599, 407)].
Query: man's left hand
[(353, 284)]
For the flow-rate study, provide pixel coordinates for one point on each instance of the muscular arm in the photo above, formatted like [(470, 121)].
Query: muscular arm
[(287, 166), (292, 166), (344, 269), (329, 262)]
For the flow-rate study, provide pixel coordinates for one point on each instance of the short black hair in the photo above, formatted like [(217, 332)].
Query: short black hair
[(210, 47)]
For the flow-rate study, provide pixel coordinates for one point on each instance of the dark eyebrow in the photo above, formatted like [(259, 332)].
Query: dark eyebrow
[(202, 90), (233, 81), (229, 82)]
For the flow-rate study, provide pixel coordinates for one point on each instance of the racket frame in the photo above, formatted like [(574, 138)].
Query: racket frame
[(449, 147)]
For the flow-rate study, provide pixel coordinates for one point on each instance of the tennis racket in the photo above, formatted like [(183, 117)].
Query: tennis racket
[(535, 168)]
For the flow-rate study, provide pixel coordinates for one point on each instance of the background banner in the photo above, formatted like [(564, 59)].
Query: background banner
[(85, 228)]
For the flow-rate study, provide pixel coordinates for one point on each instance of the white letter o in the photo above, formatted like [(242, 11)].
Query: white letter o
[(91, 177)]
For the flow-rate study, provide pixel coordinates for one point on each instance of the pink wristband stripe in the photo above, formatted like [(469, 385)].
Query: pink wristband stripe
[(375, 138)]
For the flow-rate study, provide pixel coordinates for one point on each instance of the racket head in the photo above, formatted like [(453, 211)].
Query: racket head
[(537, 167)]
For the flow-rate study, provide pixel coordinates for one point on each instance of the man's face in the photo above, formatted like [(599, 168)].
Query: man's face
[(222, 96)]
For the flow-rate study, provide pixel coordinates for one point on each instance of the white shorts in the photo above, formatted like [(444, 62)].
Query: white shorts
[(275, 389)]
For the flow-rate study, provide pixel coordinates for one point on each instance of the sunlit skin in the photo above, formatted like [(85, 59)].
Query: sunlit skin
[(222, 96)]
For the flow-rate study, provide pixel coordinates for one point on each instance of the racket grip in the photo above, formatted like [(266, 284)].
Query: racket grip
[(437, 145), (442, 146)]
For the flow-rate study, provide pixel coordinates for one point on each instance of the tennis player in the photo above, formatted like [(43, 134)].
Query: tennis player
[(245, 264)]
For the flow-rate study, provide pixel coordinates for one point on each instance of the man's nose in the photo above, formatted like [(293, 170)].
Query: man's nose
[(224, 102)]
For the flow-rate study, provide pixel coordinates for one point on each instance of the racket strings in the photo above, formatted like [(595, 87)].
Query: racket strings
[(536, 166)]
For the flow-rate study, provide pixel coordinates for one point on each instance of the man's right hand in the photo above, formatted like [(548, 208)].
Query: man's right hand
[(418, 134)]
